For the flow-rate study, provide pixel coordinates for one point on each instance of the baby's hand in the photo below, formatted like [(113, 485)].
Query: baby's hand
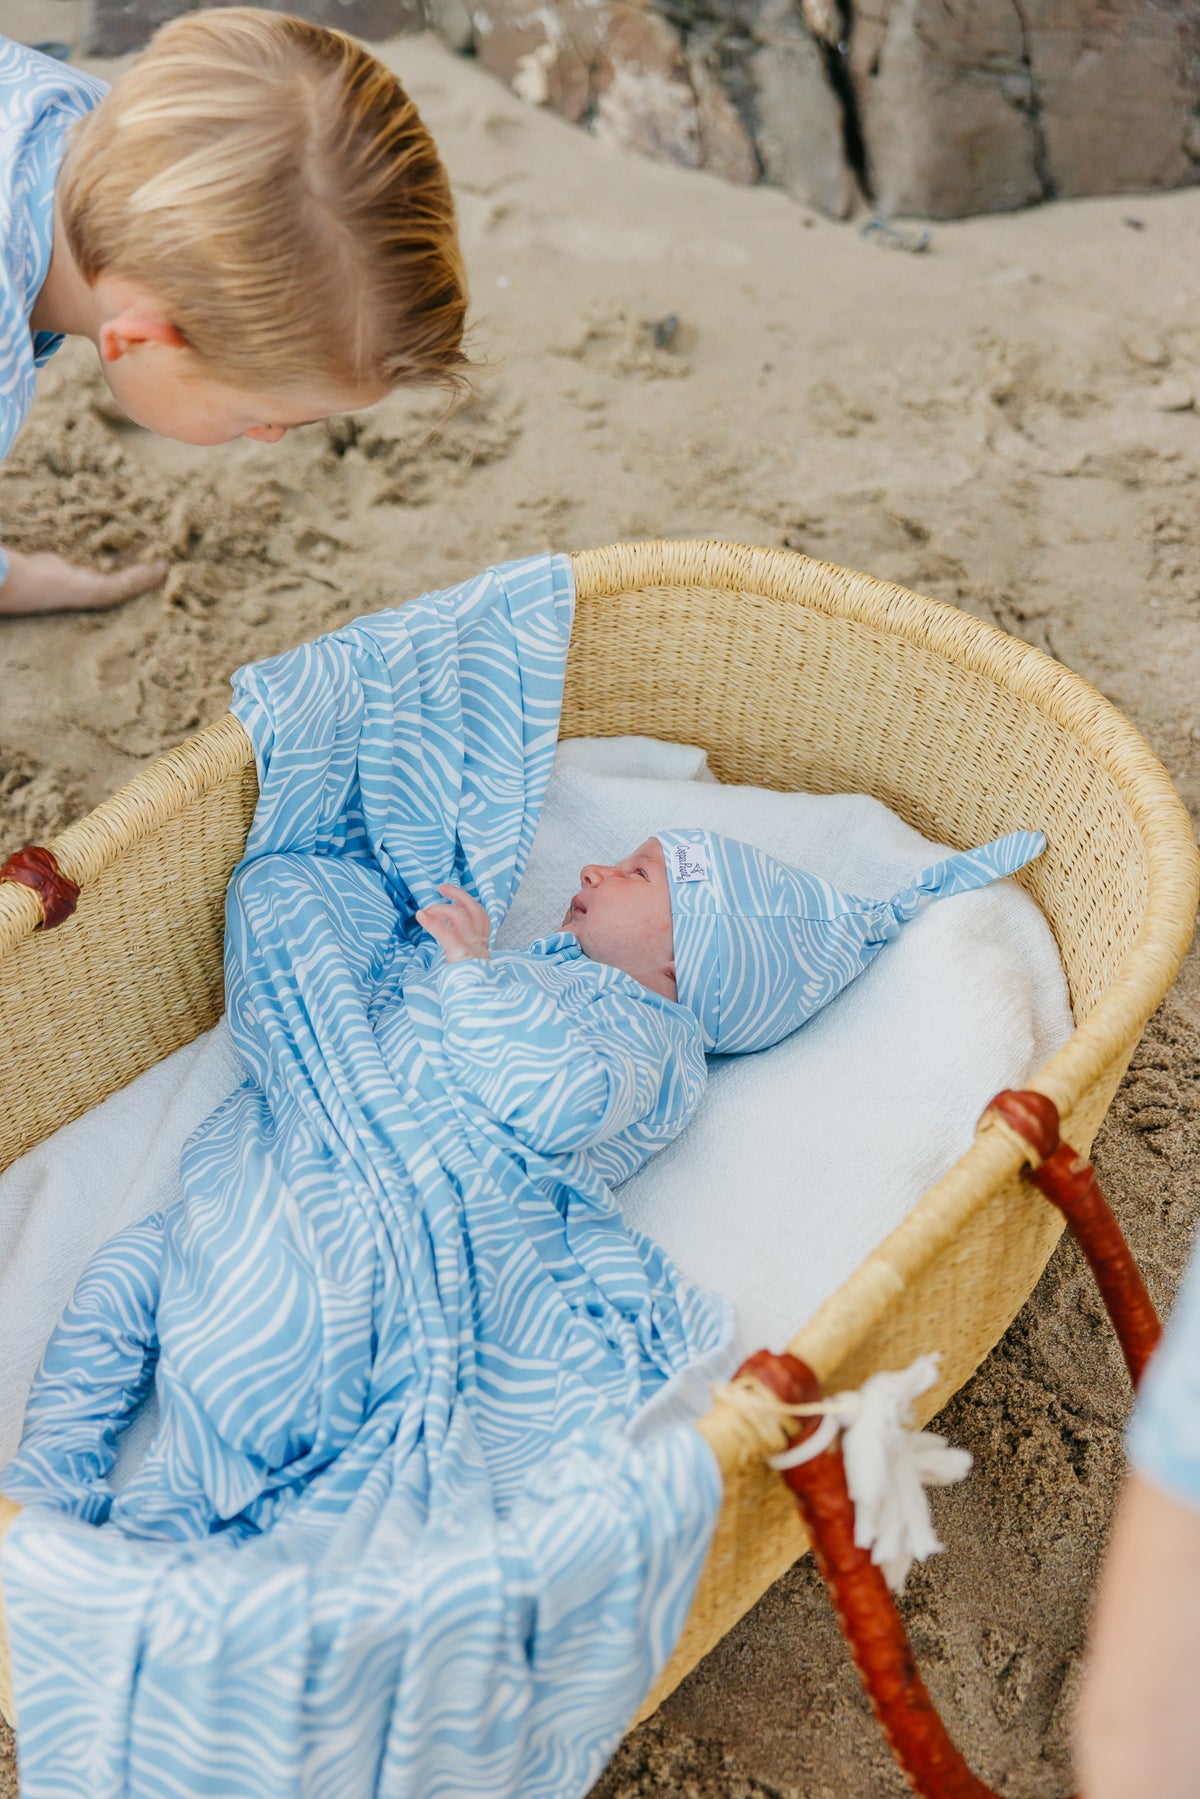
[(461, 926)]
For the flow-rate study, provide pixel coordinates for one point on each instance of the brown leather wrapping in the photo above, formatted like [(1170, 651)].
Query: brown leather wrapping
[(35, 867), (1069, 1182), (864, 1604)]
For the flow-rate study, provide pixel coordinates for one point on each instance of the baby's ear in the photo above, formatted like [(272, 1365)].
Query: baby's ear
[(135, 326)]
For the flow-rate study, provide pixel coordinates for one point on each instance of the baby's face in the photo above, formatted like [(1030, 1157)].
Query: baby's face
[(622, 916)]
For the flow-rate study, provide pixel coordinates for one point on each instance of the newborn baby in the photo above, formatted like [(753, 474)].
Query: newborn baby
[(750, 947), (497, 1102)]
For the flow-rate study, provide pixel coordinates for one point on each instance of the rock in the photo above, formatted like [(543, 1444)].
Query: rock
[(868, 32), (1113, 107), (645, 100), (800, 125), (544, 51), (533, 75), (451, 21), (112, 27), (823, 19), (945, 114), (985, 105), (948, 107), (662, 332), (1173, 395), (726, 146), (620, 63)]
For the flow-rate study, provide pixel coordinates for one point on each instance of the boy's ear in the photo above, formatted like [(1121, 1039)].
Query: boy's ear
[(135, 326)]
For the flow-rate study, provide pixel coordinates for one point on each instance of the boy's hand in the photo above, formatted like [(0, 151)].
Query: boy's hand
[(461, 926), (45, 582)]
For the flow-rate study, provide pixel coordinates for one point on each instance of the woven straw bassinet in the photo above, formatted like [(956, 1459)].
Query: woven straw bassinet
[(792, 674)]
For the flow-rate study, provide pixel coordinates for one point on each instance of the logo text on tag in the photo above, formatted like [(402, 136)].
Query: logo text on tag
[(689, 862)]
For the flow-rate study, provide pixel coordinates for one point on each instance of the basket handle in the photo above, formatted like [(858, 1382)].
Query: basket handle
[(864, 1603)]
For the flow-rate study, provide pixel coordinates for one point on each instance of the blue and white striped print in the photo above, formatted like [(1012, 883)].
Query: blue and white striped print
[(393, 1535), (761, 946), (39, 100)]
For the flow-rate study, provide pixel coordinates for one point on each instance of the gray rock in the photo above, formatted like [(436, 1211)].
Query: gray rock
[(780, 22), (799, 125), (985, 105), (112, 27), (451, 21), (946, 113), (953, 106), (1111, 93)]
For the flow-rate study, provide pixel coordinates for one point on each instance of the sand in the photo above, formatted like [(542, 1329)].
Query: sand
[(984, 423)]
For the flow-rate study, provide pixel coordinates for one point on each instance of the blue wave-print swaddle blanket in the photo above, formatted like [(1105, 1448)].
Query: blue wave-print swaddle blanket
[(392, 1536)]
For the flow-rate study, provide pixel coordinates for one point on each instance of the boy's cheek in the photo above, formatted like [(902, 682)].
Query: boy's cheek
[(182, 423), (154, 399)]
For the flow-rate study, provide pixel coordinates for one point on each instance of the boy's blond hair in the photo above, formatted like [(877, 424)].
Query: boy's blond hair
[(272, 186)]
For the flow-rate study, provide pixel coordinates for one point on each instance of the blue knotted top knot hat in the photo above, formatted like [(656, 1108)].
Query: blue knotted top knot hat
[(760, 946)]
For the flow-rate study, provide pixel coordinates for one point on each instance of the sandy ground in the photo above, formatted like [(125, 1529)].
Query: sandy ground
[(984, 423)]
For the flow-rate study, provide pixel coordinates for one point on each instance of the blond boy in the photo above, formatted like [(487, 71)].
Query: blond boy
[(252, 226)]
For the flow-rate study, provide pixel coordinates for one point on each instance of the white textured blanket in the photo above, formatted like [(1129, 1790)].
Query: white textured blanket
[(799, 1161)]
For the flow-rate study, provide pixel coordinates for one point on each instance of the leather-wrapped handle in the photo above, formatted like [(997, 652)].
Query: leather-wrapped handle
[(864, 1603), (1069, 1182), (37, 868)]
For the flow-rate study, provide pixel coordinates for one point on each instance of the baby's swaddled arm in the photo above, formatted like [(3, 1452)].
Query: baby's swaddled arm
[(98, 1365), (562, 1077)]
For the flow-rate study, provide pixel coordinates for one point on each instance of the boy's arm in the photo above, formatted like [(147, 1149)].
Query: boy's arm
[(45, 582), (1138, 1724), (1138, 1721)]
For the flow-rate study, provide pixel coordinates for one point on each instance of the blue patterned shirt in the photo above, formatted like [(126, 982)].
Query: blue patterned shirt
[(1164, 1437), (39, 100)]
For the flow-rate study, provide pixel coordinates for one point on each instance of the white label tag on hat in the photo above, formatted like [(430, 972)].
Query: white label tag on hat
[(688, 862)]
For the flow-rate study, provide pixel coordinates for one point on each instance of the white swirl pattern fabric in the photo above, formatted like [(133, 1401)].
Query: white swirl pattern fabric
[(39, 100), (394, 1534)]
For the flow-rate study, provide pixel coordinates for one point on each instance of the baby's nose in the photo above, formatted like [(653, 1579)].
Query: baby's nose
[(593, 874)]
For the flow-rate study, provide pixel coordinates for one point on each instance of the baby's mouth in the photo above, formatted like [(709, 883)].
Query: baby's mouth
[(576, 909)]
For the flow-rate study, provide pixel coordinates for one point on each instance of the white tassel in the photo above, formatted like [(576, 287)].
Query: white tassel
[(888, 1465)]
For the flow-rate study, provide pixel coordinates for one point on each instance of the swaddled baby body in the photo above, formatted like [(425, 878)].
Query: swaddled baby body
[(532, 1071)]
